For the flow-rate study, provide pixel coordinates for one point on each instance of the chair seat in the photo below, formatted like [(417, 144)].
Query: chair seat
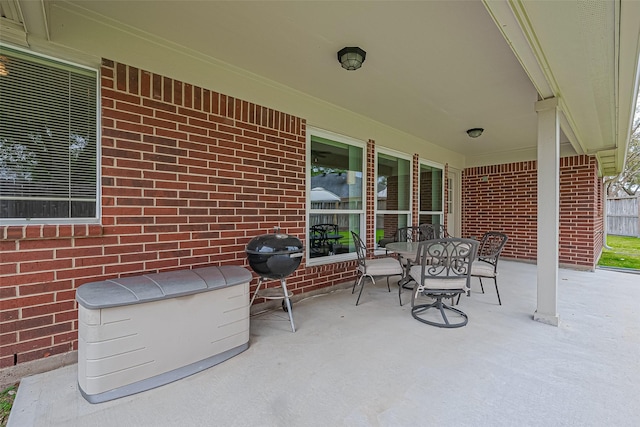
[(435, 283), (382, 267), (483, 269)]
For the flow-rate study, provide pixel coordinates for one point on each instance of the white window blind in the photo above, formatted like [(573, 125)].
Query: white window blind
[(48, 138)]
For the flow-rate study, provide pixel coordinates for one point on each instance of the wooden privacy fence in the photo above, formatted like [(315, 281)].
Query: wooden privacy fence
[(623, 216)]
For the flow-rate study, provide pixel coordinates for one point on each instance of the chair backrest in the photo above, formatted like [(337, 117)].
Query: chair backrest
[(491, 246), (325, 228), (361, 250), (408, 234), (433, 231), (446, 259), (319, 232), (316, 232)]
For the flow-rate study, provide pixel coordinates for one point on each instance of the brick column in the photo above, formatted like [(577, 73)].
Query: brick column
[(371, 194), (415, 194)]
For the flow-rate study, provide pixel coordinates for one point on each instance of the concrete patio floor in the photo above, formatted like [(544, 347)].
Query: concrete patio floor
[(374, 365)]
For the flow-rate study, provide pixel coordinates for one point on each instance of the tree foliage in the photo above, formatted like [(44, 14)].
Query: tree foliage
[(627, 183)]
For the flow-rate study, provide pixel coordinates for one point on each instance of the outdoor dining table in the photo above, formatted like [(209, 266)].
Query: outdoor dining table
[(328, 240), (408, 251), (331, 241)]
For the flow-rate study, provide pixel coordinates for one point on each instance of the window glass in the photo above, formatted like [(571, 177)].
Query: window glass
[(393, 200), (435, 219), (430, 191), (394, 183), (387, 224), (48, 139), (331, 235), (449, 196), (336, 196)]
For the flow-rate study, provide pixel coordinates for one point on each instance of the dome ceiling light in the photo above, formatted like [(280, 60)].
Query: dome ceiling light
[(351, 58)]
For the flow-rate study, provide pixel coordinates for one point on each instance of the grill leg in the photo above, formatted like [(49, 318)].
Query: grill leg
[(283, 282), (255, 294)]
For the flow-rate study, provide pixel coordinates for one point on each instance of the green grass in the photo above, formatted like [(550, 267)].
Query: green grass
[(347, 239), (624, 252), (6, 402)]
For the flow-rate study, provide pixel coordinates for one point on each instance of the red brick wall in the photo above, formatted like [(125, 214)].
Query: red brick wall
[(504, 198), (189, 176), (581, 216)]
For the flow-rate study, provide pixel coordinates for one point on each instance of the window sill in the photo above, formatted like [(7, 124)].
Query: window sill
[(331, 259)]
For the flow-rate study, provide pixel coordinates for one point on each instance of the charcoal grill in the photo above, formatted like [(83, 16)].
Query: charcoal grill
[(275, 256)]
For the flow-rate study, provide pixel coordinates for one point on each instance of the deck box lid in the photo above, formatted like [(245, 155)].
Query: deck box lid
[(157, 286)]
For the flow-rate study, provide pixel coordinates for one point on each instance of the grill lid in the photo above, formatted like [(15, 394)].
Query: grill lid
[(274, 255), (274, 244)]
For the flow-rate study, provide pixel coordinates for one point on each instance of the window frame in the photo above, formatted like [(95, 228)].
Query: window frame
[(329, 259), (442, 187), (61, 63), (408, 212)]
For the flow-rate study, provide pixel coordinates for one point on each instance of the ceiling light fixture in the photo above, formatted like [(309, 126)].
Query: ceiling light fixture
[(475, 132), (351, 58)]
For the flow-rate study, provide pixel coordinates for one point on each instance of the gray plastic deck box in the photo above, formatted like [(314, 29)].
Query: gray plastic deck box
[(141, 332)]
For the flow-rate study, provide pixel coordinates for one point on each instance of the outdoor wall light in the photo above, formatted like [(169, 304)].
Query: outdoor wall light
[(475, 132), (351, 58)]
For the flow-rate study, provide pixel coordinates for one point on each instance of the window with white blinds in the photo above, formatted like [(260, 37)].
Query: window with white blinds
[(48, 139)]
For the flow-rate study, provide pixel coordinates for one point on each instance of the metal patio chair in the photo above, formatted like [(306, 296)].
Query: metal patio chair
[(444, 272), (373, 267), (486, 264)]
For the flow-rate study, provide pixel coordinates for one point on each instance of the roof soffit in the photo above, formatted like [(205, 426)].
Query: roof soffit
[(595, 99), (463, 74)]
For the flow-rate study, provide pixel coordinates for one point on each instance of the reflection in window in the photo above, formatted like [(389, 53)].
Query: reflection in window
[(393, 201), (332, 238), (431, 219), (430, 195), (336, 196)]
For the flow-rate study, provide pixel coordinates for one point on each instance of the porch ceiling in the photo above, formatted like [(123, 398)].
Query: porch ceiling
[(433, 68)]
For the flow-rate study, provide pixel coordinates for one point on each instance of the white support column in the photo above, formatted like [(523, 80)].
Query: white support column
[(548, 210)]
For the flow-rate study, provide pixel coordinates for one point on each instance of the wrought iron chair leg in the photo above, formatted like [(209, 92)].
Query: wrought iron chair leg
[(468, 293), (361, 288), (358, 277), (481, 287), (497, 292)]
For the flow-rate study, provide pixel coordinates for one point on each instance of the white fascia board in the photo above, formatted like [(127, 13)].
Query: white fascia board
[(628, 67), (12, 32), (511, 18), (512, 22), (35, 17)]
